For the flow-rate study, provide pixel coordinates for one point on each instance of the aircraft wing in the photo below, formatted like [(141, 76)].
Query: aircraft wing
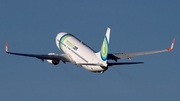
[(63, 57), (116, 56)]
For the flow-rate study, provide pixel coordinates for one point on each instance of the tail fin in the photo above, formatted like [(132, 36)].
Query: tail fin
[(105, 47)]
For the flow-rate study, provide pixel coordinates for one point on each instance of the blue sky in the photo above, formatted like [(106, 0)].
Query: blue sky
[(31, 27)]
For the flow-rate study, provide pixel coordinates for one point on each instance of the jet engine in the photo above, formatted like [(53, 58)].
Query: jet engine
[(54, 62)]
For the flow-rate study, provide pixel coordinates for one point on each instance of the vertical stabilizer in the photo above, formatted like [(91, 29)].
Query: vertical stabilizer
[(105, 47)]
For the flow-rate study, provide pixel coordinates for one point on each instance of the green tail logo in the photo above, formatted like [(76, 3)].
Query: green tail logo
[(104, 49)]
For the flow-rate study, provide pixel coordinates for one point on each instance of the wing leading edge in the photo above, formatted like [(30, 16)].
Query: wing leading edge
[(115, 56)]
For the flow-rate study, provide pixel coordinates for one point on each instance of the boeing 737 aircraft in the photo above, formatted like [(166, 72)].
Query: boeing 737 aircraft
[(78, 53)]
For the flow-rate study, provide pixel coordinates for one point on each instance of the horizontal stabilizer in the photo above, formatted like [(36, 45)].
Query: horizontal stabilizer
[(124, 63)]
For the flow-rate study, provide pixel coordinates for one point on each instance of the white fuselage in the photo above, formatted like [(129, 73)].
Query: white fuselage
[(79, 52)]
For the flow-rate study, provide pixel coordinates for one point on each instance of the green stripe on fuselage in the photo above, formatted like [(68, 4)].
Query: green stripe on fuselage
[(62, 40)]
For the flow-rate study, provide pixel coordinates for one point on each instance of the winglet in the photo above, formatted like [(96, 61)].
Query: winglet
[(6, 49), (172, 45)]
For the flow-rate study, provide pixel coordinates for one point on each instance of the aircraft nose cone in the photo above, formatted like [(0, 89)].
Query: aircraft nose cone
[(59, 35)]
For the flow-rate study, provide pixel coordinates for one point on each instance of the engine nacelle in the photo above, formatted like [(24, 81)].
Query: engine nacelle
[(54, 62)]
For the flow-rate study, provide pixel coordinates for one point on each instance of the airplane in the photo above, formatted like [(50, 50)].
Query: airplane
[(78, 53)]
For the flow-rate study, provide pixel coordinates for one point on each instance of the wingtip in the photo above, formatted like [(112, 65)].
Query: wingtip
[(172, 45), (6, 50)]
